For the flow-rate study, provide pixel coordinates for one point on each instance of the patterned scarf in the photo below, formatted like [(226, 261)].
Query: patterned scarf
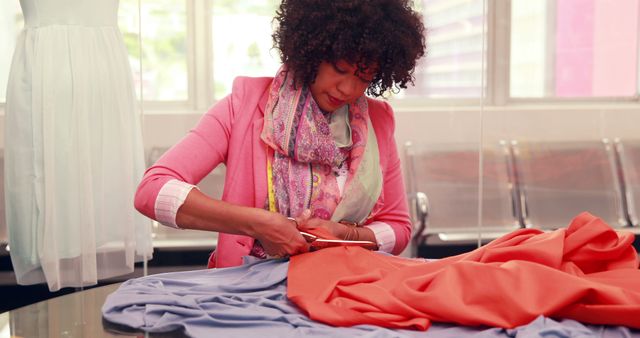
[(303, 157)]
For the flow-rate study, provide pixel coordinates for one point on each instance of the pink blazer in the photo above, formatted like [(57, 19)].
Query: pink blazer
[(230, 133)]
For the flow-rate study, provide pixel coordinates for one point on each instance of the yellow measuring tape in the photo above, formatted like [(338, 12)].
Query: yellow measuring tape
[(271, 191)]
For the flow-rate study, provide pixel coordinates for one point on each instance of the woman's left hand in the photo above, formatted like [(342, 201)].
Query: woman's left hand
[(307, 222)]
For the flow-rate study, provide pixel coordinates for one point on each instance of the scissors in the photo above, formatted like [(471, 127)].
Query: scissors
[(321, 243)]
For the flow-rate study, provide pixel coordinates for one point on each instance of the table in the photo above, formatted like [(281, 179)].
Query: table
[(73, 315)]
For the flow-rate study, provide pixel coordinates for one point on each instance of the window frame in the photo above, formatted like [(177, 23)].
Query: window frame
[(200, 54)]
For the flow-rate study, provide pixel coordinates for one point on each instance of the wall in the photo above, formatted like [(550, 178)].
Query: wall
[(458, 124)]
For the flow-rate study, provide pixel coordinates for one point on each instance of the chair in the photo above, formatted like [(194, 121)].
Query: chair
[(628, 163), (443, 188), (559, 180)]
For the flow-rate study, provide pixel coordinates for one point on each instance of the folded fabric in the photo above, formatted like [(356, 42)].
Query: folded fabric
[(587, 272), (250, 300)]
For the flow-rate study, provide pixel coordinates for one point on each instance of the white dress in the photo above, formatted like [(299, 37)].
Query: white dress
[(73, 148)]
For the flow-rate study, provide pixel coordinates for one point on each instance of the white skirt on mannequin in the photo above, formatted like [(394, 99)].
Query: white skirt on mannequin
[(73, 148)]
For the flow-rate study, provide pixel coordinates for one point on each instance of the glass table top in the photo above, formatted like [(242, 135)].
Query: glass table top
[(73, 315)]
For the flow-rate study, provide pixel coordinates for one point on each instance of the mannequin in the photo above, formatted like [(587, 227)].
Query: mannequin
[(73, 148)]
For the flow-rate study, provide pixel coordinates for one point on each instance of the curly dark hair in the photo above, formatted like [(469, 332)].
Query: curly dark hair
[(385, 33)]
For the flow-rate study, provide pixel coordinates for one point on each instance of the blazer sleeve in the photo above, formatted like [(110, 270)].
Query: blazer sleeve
[(189, 161), (395, 209)]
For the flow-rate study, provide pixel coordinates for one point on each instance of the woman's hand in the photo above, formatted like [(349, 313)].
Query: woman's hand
[(280, 237), (341, 231), (306, 222)]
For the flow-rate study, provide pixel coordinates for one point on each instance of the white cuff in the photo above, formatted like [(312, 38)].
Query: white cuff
[(384, 234), (169, 200)]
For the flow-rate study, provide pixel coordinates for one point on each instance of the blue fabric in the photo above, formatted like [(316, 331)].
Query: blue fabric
[(250, 301)]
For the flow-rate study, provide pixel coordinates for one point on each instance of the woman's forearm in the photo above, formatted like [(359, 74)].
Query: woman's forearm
[(356, 233), (200, 212), (277, 234)]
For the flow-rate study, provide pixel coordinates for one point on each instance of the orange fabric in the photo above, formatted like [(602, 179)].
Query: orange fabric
[(587, 272)]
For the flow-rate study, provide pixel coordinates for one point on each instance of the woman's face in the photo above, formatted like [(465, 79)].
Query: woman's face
[(339, 84)]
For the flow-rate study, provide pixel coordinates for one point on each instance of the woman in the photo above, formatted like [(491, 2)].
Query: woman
[(305, 149)]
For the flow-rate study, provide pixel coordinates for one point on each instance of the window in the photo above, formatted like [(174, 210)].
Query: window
[(164, 47), (454, 64), (242, 44), (574, 48), (546, 49)]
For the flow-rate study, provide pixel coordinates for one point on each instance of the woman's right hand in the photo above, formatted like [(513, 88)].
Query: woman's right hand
[(280, 237)]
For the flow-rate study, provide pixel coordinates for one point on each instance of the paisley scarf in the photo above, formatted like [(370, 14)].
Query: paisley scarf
[(304, 157)]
